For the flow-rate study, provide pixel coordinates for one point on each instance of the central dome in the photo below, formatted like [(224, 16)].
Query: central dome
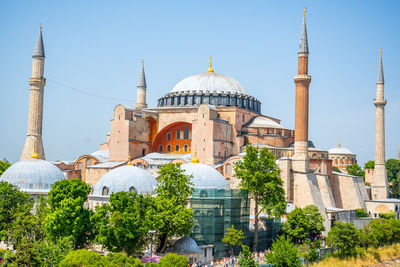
[(210, 82)]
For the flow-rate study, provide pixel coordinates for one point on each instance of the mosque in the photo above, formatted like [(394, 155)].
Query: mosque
[(204, 123)]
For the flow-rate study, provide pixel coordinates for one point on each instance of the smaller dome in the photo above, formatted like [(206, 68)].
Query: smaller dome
[(205, 176), (340, 150), (33, 175), (126, 178), (186, 245)]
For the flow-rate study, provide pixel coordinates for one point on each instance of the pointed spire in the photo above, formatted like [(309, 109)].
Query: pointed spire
[(210, 69), (303, 48), (380, 70), (142, 77), (39, 48)]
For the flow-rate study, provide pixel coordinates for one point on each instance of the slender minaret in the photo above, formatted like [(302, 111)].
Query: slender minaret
[(379, 183), (141, 90), (35, 116), (302, 80)]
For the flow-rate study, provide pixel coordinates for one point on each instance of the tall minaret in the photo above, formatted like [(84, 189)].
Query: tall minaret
[(379, 183), (35, 117), (141, 90), (302, 80)]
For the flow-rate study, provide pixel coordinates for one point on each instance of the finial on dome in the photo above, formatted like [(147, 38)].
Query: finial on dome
[(210, 69), (195, 159), (129, 159), (339, 144), (35, 155), (304, 12)]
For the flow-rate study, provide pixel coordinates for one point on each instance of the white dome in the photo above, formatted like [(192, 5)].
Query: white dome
[(340, 150), (210, 82), (123, 179), (205, 176), (33, 175)]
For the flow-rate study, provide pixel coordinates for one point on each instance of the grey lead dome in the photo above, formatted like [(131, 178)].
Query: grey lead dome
[(33, 175), (205, 176)]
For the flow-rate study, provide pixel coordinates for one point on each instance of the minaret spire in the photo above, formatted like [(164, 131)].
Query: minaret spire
[(379, 182), (33, 142), (303, 47), (141, 89)]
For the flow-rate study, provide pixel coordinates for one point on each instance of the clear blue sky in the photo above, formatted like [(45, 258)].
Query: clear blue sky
[(96, 47)]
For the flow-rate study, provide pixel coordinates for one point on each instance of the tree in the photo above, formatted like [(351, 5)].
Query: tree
[(173, 217), (4, 165), (50, 253), (388, 215), (67, 216), (361, 213), (393, 169), (283, 253), (344, 237), (246, 259), (124, 223), (259, 174), (355, 170), (303, 223), (377, 233), (395, 226), (336, 169), (233, 237), (83, 257), (174, 260), (369, 165), (12, 202)]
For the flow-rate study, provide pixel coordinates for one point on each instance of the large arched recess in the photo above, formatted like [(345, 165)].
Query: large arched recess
[(180, 134)]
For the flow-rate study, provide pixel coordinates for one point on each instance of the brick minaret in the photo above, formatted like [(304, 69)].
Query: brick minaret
[(35, 116), (141, 90), (379, 183), (302, 80)]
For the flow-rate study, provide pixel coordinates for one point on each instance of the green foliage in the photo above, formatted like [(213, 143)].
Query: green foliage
[(309, 250), (12, 202), (360, 213), (393, 169), (119, 259), (283, 253), (344, 237), (377, 233), (49, 253), (388, 215), (68, 217), (259, 175), (172, 217), (83, 257), (336, 169), (233, 237), (355, 170), (173, 260), (395, 226), (369, 165), (123, 224), (4, 165), (246, 259), (303, 223)]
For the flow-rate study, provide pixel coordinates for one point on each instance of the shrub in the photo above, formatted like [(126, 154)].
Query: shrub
[(376, 233), (344, 237), (388, 215), (245, 258), (284, 253), (174, 260), (119, 259), (83, 257), (361, 213)]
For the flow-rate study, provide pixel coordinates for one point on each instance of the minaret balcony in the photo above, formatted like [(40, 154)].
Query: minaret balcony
[(380, 103)]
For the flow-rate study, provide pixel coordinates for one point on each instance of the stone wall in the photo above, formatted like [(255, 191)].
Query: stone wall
[(349, 191)]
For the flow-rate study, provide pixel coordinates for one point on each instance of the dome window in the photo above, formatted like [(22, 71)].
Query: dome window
[(132, 189), (228, 169), (88, 162), (169, 136), (178, 134), (185, 148), (186, 132), (160, 148), (168, 148), (177, 148), (105, 191)]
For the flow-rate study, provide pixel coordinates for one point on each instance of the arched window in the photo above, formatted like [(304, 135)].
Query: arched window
[(88, 162), (132, 189), (143, 151), (168, 148), (177, 148), (79, 165), (186, 132), (228, 169), (178, 134), (105, 191), (314, 155), (169, 136), (160, 148), (186, 148)]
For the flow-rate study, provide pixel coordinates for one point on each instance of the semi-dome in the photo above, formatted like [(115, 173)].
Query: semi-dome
[(340, 150), (205, 176), (33, 175), (126, 178), (186, 245), (210, 82)]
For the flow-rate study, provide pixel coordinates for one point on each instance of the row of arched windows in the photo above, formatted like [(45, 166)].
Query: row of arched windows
[(105, 190), (168, 148)]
